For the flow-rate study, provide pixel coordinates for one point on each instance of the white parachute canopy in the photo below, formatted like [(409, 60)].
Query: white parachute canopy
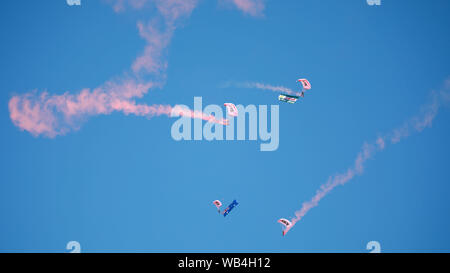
[(305, 83), (286, 223), (231, 109)]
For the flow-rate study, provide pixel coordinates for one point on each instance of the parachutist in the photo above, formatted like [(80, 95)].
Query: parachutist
[(291, 98), (286, 223)]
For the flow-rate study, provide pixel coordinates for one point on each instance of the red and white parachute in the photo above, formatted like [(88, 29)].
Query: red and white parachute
[(218, 204), (287, 225), (305, 83), (231, 109)]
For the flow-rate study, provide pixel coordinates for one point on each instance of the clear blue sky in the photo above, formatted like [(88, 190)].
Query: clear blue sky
[(121, 183)]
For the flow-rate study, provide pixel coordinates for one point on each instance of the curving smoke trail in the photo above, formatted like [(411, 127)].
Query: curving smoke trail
[(53, 115), (416, 124)]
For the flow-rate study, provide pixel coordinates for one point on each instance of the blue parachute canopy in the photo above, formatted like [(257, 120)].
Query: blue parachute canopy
[(230, 207)]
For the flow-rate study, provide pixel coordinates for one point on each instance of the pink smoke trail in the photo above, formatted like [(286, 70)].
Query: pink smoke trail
[(199, 115), (416, 124), (250, 7), (120, 5), (158, 37), (253, 8), (53, 115)]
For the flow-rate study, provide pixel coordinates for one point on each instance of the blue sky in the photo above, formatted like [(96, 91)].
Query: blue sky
[(120, 183)]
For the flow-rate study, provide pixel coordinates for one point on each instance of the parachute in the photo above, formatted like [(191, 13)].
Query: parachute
[(231, 109), (218, 204), (287, 225), (230, 207), (305, 86), (305, 83)]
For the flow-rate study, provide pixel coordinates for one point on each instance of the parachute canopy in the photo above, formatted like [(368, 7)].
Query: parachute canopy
[(287, 225), (287, 98), (231, 109), (230, 207), (217, 203), (305, 83), (285, 222)]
